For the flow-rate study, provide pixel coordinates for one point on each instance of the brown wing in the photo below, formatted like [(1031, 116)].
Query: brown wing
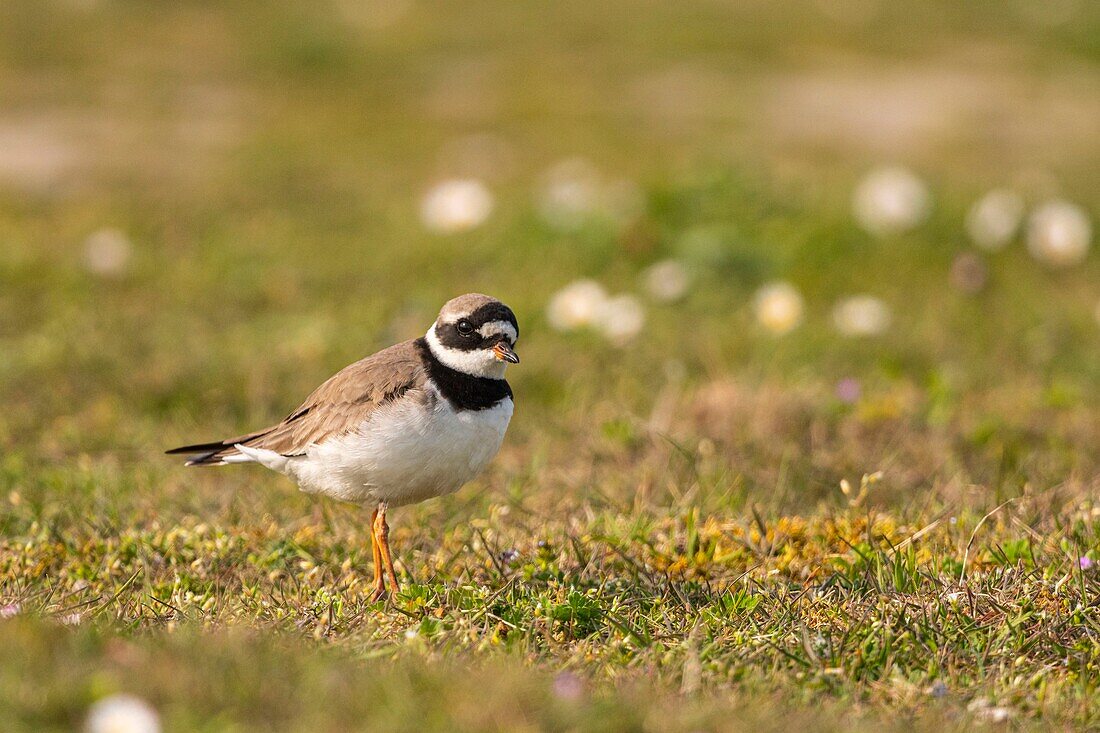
[(338, 406)]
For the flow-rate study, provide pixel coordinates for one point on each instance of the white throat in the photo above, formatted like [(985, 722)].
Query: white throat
[(476, 363)]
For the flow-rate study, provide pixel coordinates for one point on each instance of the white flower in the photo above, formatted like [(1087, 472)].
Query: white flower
[(861, 315), (985, 710), (573, 193), (1059, 234), (122, 714), (576, 305), (666, 281), (891, 201), (996, 714), (994, 218), (569, 194), (456, 205), (620, 319), (107, 253), (584, 303), (778, 307)]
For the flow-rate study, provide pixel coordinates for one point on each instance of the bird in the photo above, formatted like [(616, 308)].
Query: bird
[(414, 421)]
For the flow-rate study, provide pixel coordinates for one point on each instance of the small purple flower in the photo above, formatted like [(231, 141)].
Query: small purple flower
[(568, 686), (508, 556), (848, 390), (969, 274), (12, 609), (1085, 562)]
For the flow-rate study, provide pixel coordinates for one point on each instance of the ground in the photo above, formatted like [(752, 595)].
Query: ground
[(207, 209)]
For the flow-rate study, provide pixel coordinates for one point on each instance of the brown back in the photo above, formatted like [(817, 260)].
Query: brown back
[(335, 408)]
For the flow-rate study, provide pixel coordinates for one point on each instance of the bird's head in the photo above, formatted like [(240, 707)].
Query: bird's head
[(476, 335)]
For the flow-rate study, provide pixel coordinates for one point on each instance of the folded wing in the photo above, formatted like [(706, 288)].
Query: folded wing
[(337, 407)]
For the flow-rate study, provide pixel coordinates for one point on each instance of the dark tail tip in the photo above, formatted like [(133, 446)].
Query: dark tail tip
[(203, 454)]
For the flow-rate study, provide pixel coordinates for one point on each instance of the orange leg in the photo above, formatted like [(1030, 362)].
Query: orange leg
[(379, 581), (382, 532)]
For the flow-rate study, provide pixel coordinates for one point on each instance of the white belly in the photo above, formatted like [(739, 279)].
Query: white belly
[(406, 452)]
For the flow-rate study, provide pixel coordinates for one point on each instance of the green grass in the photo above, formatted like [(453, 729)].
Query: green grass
[(663, 543)]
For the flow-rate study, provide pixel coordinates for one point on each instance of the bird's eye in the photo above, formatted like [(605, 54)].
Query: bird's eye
[(465, 327)]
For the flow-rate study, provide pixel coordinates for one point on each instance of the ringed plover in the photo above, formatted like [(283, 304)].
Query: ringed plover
[(412, 422)]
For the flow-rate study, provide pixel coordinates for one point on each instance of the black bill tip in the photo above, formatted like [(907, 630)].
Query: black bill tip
[(505, 352)]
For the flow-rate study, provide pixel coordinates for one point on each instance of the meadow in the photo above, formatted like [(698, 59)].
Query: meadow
[(805, 436)]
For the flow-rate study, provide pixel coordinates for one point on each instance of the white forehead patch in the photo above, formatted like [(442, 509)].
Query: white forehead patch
[(499, 328)]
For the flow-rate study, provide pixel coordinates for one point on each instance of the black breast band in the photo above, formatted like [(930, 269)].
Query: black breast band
[(463, 391)]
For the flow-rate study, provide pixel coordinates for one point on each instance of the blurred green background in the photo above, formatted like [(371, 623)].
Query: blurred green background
[(258, 172), (206, 208)]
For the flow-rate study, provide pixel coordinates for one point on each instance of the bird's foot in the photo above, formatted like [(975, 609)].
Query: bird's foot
[(381, 593)]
